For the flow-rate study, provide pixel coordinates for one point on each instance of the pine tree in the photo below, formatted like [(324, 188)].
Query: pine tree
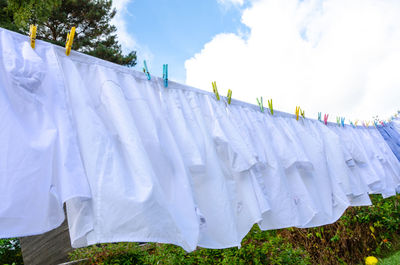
[(94, 34)]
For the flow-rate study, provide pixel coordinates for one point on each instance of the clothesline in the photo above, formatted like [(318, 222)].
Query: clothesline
[(135, 161)]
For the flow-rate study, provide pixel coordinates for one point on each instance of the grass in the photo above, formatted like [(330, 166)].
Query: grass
[(392, 260)]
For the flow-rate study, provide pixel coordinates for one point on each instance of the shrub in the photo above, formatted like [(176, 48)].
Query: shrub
[(259, 247), (360, 232), (10, 251)]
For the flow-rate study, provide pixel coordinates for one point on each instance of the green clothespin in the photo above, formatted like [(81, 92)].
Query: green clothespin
[(260, 104)]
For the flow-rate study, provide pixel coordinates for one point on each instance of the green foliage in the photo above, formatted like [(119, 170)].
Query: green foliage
[(10, 251), (259, 247), (94, 34), (31, 11), (6, 17), (392, 260), (360, 232)]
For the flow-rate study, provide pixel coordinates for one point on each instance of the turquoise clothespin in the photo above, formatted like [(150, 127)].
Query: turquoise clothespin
[(352, 124), (260, 104), (165, 74), (342, 121), (319, 116), (145, 70)]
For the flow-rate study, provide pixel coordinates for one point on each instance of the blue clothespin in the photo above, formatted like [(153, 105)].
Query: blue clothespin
[(342, 121), (319, 116), (260, 104), (165, 74), (375, 123), (145, 70)]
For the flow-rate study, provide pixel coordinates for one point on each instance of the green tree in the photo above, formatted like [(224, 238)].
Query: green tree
[(94, 34)]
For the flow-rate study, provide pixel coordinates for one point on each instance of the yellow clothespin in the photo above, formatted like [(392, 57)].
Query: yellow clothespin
[(367, 124), (70, 40), (229, 96), (32, 35), (297, 112), (271, 109), (214, 85), (302, 114), (355, 123)]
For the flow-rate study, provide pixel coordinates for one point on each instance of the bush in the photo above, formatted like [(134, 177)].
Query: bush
[(360, 232), (10, 251), (259, 247)]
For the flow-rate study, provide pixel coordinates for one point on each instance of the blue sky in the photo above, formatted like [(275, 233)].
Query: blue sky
[(174, 30), (338, 57)]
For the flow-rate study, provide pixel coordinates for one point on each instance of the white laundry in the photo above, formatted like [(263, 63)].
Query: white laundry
[(40, 163), (135, 161)]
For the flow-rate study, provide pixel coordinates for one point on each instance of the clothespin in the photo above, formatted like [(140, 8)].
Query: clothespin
[(352, 124), (297, 112), (165, 74), (342, 121), (215, 90), (375, 123), (270, 106), (338, 120), (366, 124), (70, 40), (319, 116), (260, 104), (229, 96), (302, 113), (146, 70), (355, 123), (32, 35), (326, 118)]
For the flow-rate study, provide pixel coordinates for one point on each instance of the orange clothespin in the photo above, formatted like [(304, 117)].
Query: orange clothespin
[(70, 40), (355, 122), (32, 35), (297, 112)]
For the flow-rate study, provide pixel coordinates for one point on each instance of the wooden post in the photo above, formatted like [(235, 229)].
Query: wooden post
[(49, 248)]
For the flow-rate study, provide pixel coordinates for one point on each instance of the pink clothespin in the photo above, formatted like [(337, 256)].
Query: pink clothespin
[(326, 118)]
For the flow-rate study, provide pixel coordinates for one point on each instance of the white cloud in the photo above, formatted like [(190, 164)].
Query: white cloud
[(127, 40), (231, 2), (335, 56)]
